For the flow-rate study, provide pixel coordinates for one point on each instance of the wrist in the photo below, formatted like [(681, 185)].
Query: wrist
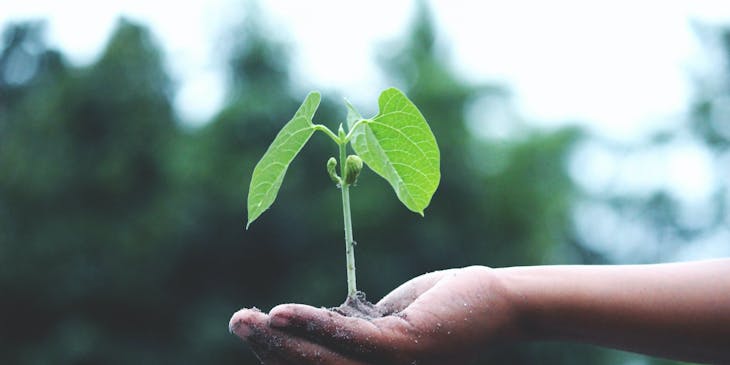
[(520, 287), (502, 294)]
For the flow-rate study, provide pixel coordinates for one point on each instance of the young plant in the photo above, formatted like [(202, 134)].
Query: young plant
[(397, 144)]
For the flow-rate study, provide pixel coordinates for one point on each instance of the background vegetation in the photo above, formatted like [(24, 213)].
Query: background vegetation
[(121, 230)]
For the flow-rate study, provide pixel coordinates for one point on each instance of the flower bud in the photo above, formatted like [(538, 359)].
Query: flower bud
[(331, 170), (353, 166)]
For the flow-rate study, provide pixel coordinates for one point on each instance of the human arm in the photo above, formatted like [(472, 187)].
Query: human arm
[(679, 311)]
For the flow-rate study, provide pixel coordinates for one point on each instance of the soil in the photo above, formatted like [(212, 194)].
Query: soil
[(359, 307)]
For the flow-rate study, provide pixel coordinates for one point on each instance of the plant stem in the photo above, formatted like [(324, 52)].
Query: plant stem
[(349, 246)]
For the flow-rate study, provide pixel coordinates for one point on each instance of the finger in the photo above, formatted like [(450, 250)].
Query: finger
[(349, 335), (402, 296), (275, 347), (243, 322), (249, 325)]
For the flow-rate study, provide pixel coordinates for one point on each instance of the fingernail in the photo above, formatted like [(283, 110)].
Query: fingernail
[(278, 321)]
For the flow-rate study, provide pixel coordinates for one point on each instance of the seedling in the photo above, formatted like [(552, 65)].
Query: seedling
[(397, 144)]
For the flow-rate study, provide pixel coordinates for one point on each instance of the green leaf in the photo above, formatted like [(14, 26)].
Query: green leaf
[(352, 115), (399, 146), (270, 170)]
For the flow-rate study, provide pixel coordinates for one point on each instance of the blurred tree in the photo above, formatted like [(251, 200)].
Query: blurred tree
[(685, 216), (83, 189), (500, 202), (219, 267), (712, 102), (122, 233)]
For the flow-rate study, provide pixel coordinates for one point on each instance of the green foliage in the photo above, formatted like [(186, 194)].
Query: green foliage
[(399, 146), (270, 170), (120, 234)]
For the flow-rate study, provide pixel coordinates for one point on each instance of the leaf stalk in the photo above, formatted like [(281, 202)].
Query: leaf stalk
[(327, 131)]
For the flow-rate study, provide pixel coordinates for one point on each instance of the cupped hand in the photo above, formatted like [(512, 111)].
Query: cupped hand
[(436, 318)]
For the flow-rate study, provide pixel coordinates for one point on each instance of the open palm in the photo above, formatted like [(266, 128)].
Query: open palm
[(436, 318)]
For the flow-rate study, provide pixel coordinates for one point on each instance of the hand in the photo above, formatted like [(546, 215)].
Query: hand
[(441, 317)]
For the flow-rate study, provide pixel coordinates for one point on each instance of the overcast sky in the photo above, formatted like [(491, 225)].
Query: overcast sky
[(620, 67)]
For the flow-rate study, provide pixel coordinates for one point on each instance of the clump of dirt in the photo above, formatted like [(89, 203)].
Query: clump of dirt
[(359, 307)]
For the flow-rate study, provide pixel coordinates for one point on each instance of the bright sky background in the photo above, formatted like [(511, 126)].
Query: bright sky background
[(620, 68), (564, 60)]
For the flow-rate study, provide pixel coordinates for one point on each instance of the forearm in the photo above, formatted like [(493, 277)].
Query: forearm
[(680, 310)]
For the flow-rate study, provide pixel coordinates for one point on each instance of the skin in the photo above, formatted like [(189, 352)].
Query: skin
[(679, 311)]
